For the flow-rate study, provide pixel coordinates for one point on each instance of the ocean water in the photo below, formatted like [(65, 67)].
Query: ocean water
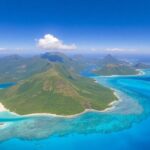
[(6, 85), (127, 126)]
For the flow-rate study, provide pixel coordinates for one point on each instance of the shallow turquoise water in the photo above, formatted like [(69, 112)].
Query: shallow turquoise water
[(125, 127)]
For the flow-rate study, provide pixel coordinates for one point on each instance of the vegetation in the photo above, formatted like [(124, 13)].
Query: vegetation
[(142, 66), (112, 66), (14, 68), (116, 70), (59, 90)]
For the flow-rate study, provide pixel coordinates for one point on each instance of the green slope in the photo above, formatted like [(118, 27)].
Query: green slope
[(14, 68), (109, 65), (58, 90), (112, 69), (142, 66)]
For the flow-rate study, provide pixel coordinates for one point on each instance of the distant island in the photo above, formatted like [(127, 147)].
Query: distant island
[(109, 65), (142, 66), (50, 83)]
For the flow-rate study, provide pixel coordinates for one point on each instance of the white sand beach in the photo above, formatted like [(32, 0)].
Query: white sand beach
[(2, 108), (110, 107), (140, 73)]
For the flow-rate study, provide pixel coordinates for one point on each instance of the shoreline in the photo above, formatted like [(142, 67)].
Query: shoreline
[(2, 108), (110, 107), (65, 116), (140, 73)]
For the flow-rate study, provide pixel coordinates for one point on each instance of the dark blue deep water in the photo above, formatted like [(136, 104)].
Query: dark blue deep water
[(126, 127)]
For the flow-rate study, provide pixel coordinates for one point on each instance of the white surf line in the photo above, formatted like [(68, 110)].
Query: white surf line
[(111, 106), (2, 108), (140, 73)]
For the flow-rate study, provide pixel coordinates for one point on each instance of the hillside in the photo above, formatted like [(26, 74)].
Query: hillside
[(71, 63), (112, 66), (112, 69), (14, 68), (58, 91), (109, 59), (142, 66)]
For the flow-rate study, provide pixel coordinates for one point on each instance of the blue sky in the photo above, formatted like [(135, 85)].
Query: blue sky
[(89, 25)]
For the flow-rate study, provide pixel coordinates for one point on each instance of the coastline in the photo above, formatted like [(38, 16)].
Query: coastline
[(110, 107), (140, 73), (2, 108)]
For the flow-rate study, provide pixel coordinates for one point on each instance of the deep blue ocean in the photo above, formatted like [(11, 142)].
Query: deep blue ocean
[(126, 127)]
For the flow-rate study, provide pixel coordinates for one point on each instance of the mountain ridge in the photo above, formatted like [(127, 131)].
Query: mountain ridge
[(112, 66), (58, 90)]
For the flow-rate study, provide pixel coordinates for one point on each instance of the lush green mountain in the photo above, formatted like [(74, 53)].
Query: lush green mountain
[(142, 66), (113, 69), (56, 57), (58, 90), (14, 67), (112, 66), (109, 59)]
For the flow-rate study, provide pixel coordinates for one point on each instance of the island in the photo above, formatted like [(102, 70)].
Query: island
[(54, 87), (142, 66), (109, 65)]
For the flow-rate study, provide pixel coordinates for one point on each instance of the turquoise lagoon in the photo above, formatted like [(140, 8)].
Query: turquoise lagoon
[(127, 126)]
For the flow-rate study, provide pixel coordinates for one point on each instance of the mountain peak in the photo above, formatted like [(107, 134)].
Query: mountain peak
[(56, 91), (109, 59), (54, 57)]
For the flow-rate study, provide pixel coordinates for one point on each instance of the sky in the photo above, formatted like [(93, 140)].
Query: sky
[(117, 26)]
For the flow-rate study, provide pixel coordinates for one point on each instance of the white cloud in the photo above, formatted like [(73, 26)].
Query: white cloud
[(50, 42), (93, 49), (107, 49), (121, 50), (115, 49)]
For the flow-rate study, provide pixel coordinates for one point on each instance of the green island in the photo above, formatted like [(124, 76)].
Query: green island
[(109, 65), (55, 87), (113, 69)]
